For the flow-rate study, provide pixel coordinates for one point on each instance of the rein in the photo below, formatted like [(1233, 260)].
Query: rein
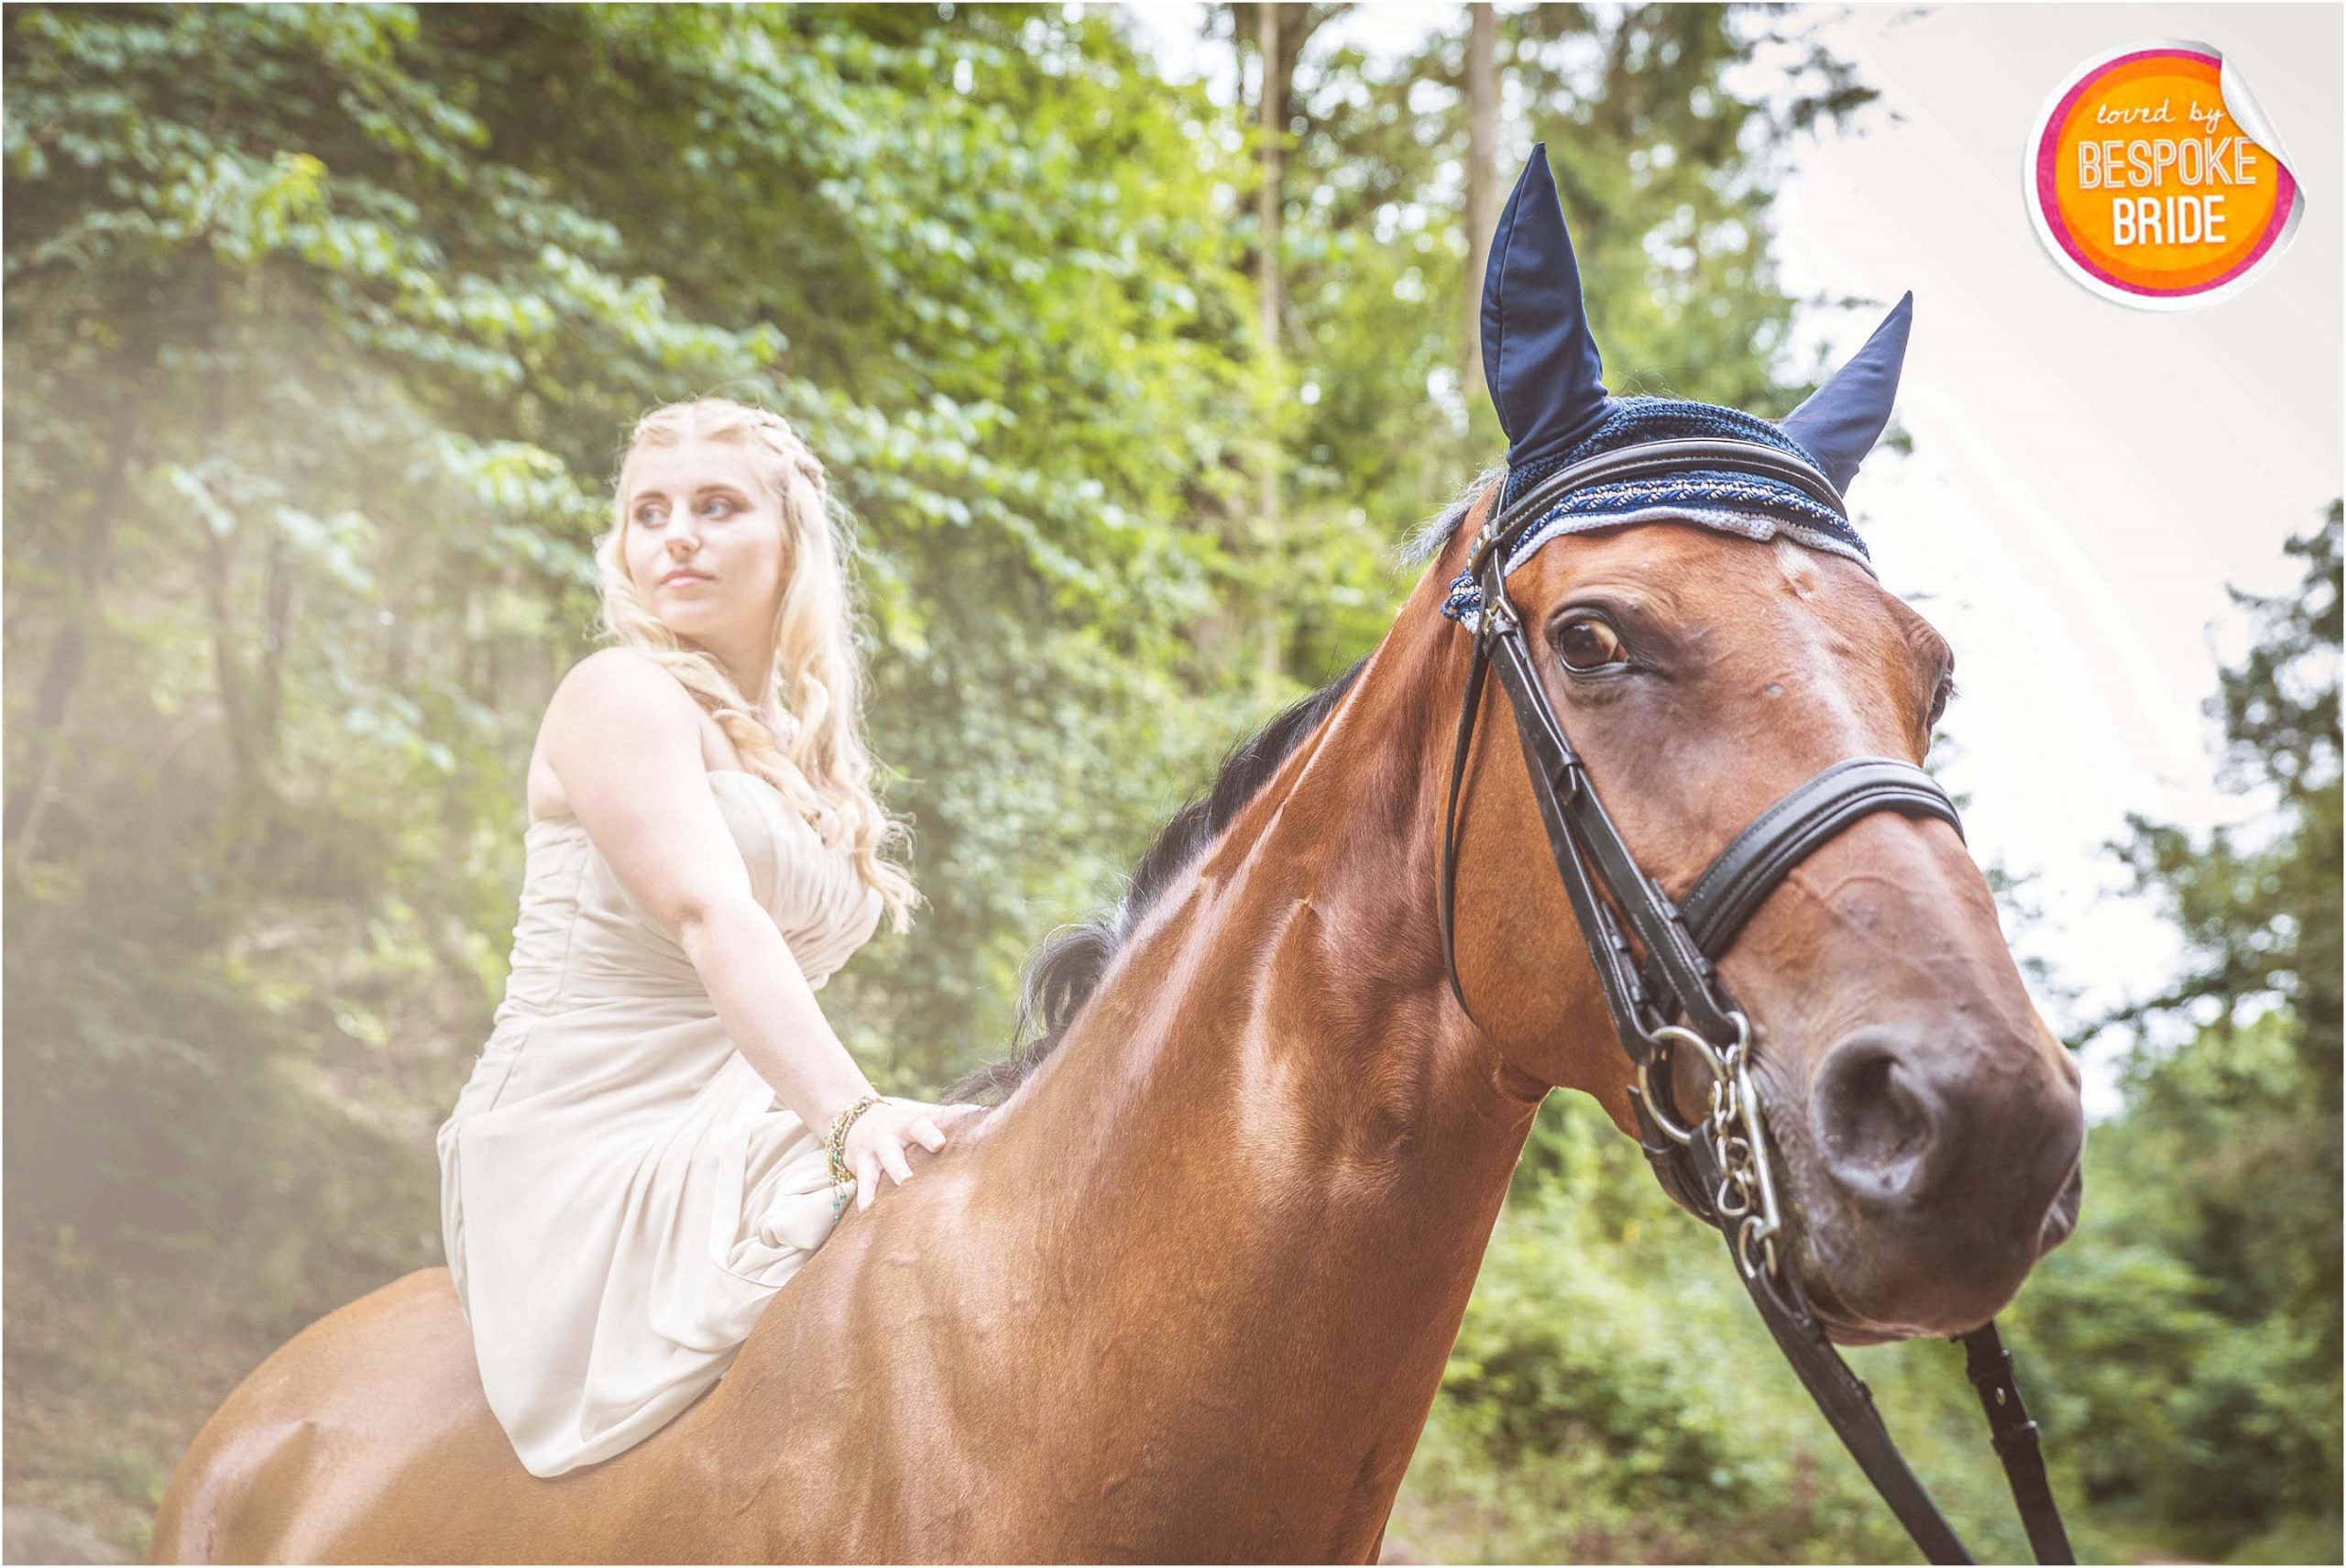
[(1717, 1166)]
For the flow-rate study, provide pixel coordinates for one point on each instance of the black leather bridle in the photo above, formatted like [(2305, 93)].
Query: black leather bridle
[(1718, 1165)]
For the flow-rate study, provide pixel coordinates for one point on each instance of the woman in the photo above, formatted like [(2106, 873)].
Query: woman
[(662, 1127)]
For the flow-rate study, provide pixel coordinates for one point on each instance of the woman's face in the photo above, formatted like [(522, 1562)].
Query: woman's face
[(704, 539)]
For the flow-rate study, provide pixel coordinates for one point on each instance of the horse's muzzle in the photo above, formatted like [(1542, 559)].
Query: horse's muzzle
[(1951, 1167)]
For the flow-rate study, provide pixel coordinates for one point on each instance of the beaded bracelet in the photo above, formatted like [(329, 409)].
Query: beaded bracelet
[(837, 1143)]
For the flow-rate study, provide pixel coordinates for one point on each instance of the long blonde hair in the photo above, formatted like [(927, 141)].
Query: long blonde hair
[(809, 745)]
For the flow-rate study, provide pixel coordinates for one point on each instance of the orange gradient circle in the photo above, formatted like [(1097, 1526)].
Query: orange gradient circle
[(2144, 185)]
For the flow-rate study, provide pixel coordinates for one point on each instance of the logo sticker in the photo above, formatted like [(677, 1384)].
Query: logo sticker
[(2153, 178)]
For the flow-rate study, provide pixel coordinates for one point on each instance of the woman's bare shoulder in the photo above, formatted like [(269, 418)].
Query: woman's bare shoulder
[(615, 692), (616, 698)]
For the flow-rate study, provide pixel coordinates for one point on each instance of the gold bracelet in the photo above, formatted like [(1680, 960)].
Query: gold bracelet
[(837, 1143)]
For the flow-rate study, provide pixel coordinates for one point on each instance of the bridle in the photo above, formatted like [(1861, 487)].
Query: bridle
[(1716, 1164)]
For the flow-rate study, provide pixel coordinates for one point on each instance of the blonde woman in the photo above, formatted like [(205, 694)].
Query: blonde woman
[(644, 1153)]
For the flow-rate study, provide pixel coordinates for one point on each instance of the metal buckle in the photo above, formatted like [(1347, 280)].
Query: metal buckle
[(1499, 614)]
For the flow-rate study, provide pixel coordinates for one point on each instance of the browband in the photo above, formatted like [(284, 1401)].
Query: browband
[(1650, 458)]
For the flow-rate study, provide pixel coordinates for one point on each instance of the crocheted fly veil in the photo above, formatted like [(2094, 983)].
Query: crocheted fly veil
[(1547, 380)]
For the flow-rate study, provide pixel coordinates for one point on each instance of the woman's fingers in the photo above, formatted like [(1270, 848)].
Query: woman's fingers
[(941, 1117), (884, 1148)]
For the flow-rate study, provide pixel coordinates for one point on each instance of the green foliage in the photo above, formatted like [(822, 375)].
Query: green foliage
[(2213, 1249), (1613, 1397), (326, 325)]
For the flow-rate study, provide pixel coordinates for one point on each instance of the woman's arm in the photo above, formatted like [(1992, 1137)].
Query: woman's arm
[(624, 737)]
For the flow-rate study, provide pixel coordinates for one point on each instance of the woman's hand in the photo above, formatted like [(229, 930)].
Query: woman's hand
[(876, 1141)]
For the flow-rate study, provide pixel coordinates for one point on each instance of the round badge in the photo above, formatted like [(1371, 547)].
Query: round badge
[(2153, 178)]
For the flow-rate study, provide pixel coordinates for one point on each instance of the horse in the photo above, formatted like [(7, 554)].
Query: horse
[(1187, 1293)]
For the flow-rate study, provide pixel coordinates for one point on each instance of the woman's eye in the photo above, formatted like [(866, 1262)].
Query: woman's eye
[(650, 515), (719, 507), (1589, 643)]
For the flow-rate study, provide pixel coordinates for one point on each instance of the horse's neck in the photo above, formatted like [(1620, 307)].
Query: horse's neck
[(1266, 1162)]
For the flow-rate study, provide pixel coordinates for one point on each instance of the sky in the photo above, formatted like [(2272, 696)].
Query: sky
[(2086, 477)]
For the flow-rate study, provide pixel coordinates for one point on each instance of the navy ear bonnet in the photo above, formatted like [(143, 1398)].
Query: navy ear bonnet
[(1750, 505), (1545, 375)]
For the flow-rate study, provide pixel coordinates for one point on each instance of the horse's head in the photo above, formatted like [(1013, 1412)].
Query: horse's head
[(1926, 1126)]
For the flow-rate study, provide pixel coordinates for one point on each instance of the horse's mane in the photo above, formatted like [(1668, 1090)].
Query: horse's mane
[(1067, 966)]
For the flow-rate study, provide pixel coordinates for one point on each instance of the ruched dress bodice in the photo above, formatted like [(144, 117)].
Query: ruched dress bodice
[(621, 1193)]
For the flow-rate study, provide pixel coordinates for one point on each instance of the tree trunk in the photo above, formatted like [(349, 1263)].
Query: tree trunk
[(28, 794), (280, 597), (240, 812), (37, 740), (1271, 193), (1482, 181)]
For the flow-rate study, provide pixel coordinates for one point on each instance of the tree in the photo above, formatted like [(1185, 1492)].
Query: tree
[(1482, 183), (1666, 176), (2198, 1310)]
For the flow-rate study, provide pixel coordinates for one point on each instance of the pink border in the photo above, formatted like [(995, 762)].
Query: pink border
[(2048, 206)]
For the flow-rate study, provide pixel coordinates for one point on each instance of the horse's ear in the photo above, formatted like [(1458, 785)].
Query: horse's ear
[(1843, 419), (1546, 379)]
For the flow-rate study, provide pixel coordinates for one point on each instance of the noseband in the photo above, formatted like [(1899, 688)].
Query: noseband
[(1717, 1166)]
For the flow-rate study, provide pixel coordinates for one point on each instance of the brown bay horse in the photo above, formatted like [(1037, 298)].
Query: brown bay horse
[(1188, 1294)]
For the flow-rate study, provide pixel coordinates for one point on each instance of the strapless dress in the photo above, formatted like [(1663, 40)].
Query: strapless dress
[(621, 1193)]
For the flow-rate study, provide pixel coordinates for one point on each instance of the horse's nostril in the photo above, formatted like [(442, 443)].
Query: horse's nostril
[(1877, 1119)]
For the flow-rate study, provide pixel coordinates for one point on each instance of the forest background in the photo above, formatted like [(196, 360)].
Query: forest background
[(323, 327)]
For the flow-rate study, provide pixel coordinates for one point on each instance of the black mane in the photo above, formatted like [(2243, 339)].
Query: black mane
[(1066, 967)]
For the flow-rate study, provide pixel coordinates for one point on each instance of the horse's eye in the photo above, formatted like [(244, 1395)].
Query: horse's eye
[(1588, 645), (1939, 699)]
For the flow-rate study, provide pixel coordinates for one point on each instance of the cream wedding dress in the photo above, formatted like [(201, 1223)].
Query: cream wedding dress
[(620, 1191)]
